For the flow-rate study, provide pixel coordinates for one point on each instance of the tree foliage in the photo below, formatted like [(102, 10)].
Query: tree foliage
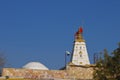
[(108, 67)]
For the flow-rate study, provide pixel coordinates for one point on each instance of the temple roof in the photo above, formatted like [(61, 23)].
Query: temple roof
[(35, 65)]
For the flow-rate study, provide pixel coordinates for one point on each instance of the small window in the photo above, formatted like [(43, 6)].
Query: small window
[(80, 47), (80, 55)]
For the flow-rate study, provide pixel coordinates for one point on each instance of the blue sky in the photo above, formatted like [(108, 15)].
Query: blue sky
[(42, 30)]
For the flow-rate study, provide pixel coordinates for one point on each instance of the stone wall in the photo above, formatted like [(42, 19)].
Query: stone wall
[(81, 72), (76, 72)]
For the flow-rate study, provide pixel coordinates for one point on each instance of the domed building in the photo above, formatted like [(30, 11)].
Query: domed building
[(35, 65)]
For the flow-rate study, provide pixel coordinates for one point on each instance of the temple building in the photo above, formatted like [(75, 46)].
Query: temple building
[(79, 66), (80, 55)]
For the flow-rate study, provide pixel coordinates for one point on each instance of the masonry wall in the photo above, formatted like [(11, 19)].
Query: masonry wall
[(70, 73), (81, 72)]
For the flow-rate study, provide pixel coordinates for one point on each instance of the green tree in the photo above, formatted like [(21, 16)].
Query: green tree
[(116, 63), (108, 67)]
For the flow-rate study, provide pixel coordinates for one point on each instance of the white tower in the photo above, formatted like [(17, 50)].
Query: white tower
[(79, 55)]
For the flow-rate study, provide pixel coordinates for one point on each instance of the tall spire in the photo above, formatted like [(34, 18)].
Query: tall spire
[(78, 35), (79, 54)]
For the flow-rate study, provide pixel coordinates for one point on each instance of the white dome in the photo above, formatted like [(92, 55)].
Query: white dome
[(35, 65)]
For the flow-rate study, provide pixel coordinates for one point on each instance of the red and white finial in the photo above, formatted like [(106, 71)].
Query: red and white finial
[(78, 35)]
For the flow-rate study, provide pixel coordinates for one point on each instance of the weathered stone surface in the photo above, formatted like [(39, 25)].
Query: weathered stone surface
[(81, 72), (77, 72)]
